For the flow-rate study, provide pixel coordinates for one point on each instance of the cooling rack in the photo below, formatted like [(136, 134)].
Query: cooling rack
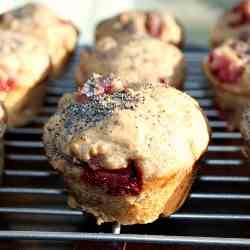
[(217, 212)]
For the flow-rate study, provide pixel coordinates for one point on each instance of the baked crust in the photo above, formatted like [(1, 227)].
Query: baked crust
[(158, 129), (57, 35), (135, 59), (24, 65), (157, 24)]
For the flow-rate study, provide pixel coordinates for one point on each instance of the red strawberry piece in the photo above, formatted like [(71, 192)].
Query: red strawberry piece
[(124, 181), (108, 89), (224, 68), (7, 85), (154, 24), (243, 12), (107, 84), (164, 81)]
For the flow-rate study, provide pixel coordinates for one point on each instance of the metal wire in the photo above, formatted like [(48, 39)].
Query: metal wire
[(214, 198)]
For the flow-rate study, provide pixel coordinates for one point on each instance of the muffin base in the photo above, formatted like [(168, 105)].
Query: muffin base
[(59, 64), (161, 196), (22, 105)]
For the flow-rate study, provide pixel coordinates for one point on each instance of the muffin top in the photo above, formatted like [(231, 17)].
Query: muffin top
[(157, 24), (24, 61), (39, 21), (234, 23), (156, 126), (228, 66), (135, 59)]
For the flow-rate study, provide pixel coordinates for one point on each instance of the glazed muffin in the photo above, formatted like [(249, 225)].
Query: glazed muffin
[(234, 23), (126, 155), (244, 126), (3, 125), (160, 25), (134, 59), (57, 35), (228, 70), (24, 67)]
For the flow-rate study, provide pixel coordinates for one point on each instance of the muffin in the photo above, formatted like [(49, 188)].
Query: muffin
[(126, 155), (57, 35), (244, 127), (233, 24), (160, 25), (3, 125), (228, 70), (134, 59), (24, 68)]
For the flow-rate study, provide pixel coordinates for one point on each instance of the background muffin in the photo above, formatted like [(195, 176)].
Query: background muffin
[(134, 59), (228, 70), (234, 23), (160, 25), (57, 35), (24, 67)]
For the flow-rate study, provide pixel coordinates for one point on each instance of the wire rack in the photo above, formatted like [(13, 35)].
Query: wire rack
[(217, 212)]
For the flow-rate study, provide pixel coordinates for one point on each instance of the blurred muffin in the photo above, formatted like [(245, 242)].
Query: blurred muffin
[(244, 126), (24, 66), (3, 125), (160, 25), (57, 35), (228, 70), (134, 59), (126, 155), (234, 23)]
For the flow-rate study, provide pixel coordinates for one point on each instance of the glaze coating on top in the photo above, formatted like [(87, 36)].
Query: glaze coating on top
[(160, 25), (155, 125)]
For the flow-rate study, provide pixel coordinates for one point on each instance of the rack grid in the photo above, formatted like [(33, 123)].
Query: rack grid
[(217, 212)]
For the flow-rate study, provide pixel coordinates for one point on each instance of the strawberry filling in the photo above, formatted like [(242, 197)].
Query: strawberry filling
[(164, 81), (154, 25), (7, 85), (243, 14), (100, 86), (124, 181), (224, 68)]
